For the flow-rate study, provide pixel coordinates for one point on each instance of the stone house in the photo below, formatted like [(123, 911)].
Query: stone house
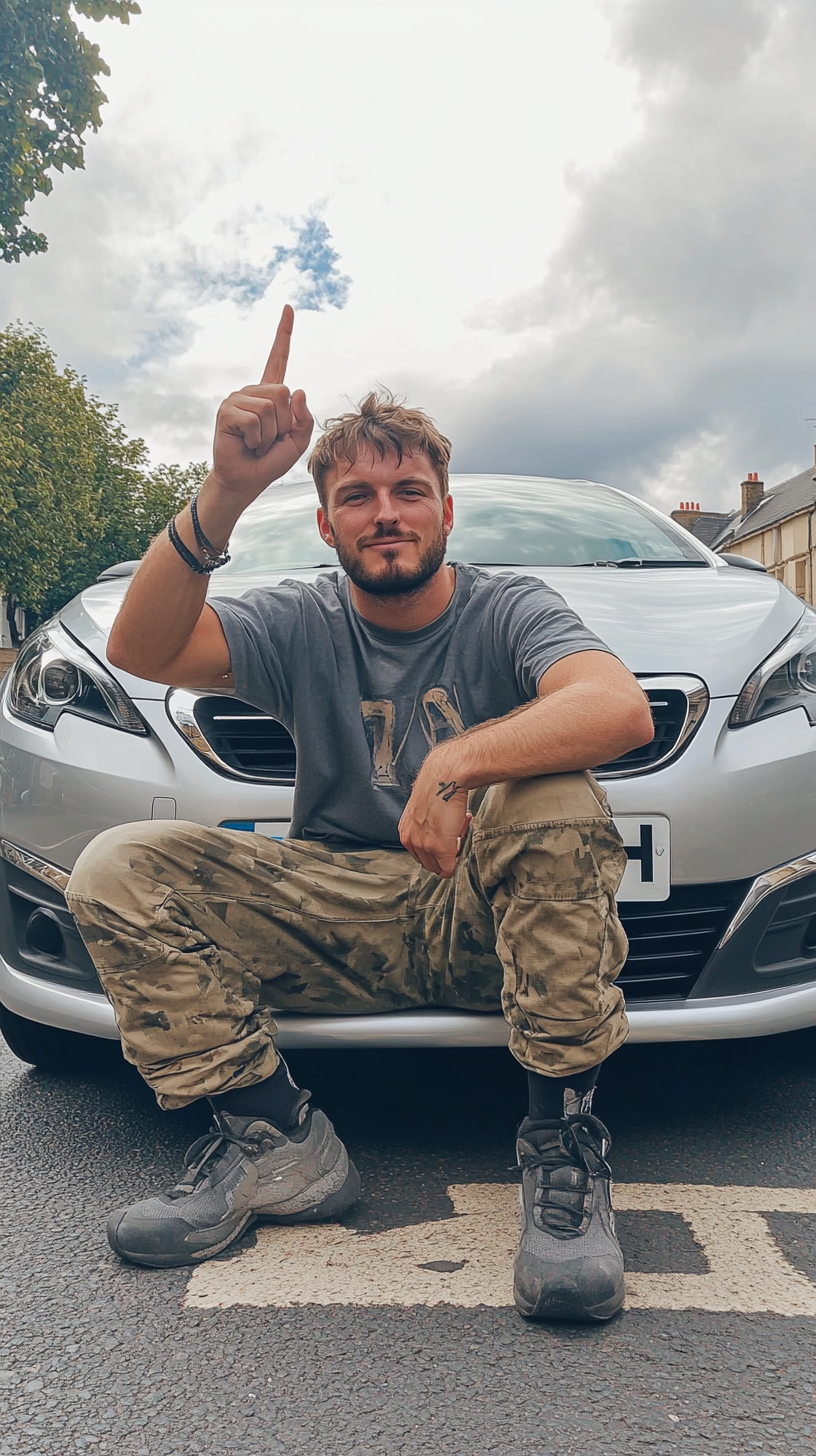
[(775, 528)]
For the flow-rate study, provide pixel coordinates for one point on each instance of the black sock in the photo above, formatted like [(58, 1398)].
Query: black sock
[(275, 1099), (554, 1097)]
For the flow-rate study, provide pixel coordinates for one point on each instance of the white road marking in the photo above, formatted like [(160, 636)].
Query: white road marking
[(747, 1270), (328, 1264)]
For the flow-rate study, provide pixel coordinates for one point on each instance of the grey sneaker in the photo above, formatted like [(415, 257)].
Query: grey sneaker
[(569, 1264), (244, 1169)]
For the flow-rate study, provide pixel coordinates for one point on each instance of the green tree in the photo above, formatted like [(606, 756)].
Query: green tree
[(76, 494), (49, 97)]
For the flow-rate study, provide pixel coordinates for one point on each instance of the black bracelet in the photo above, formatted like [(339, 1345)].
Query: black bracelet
[(201, 569), (212, 557)]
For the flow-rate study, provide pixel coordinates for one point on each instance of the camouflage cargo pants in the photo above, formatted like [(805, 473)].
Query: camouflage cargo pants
[(198, 934)]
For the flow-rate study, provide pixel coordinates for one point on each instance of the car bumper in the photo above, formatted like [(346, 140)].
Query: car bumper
[(777, 908), (760, 1013)]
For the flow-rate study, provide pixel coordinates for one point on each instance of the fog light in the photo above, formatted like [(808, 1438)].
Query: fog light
[(43, 934)]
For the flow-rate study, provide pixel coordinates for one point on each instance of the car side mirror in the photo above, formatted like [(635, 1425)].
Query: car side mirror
[(744, 561)]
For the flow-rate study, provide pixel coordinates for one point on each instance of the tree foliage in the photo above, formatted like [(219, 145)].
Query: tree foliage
[(76, 494), (49, 96)]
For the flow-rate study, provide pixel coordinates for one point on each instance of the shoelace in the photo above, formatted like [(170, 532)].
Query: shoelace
[(200, 1157), (577, 1143)]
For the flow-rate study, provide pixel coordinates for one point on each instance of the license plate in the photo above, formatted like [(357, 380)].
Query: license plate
[(648, 854), (646, 839), (272, 828)]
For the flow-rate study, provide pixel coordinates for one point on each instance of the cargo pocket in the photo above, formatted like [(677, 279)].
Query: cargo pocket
[(561, 944)]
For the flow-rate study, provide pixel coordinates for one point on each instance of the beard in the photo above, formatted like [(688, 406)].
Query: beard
[(396, 580)]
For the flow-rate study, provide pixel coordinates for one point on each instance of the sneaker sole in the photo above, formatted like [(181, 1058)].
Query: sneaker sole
[(333, 1206), (328, 1208)]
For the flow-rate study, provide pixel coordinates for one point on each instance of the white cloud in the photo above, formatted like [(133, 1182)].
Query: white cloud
[(578, 232), (430, 139), (668, 347)]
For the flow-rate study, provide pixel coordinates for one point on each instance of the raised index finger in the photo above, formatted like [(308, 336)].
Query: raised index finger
[(275, 371)]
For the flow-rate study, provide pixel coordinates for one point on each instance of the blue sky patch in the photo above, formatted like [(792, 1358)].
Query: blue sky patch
[(322, 284)]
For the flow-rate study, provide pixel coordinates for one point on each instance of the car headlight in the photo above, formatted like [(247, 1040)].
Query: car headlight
[(785, 680), (54, 675)]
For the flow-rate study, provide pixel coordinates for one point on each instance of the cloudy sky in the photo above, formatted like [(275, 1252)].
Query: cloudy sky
[(579, 232)]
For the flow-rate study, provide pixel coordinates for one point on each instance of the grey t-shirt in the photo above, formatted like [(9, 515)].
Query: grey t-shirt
[(365, 705)]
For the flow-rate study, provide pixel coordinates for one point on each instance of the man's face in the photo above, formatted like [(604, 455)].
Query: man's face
[(387, 521)]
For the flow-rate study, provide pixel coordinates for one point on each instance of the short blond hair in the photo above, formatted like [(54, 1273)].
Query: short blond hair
[(381, 424)]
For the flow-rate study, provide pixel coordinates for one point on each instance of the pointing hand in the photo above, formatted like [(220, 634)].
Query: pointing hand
[(262, 430)]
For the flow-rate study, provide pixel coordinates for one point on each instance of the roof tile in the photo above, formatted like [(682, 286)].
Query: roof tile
[(785, 500)]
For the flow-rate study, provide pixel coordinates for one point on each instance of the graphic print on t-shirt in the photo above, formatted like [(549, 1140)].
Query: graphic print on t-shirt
[(366, 705), (439, 719)]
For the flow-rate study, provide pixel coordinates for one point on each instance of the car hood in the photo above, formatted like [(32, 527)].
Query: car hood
[(716, 623)]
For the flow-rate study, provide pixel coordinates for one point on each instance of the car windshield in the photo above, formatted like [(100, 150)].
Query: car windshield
[(498, 521)]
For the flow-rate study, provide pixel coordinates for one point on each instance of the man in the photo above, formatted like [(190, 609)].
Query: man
[(447, 848)]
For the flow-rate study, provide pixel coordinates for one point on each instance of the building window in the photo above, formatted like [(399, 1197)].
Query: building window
[(801, 577), (775, 551)]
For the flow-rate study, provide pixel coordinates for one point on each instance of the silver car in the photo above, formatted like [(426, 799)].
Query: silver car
[(718, 813)]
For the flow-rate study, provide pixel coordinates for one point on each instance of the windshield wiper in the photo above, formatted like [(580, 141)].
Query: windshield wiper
[(647, 562)]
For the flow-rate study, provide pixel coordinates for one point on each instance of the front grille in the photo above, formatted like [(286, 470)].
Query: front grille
[(242, 740), (670, 942), (669, 711), (678, 706), (245, 740)]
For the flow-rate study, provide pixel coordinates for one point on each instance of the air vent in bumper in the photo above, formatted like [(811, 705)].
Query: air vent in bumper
[(671, 942)]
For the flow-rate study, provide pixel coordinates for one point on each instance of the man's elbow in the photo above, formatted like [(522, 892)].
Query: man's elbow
[(117, 653), (122, 654), (639, 726)]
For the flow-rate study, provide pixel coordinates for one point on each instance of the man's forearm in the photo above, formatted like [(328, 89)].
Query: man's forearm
[(560, 733), (166, 597)]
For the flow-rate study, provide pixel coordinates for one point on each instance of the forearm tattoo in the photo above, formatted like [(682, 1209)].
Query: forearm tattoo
[(447, 791)]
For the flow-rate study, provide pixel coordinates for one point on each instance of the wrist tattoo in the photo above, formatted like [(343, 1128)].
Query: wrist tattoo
[(447, 791)]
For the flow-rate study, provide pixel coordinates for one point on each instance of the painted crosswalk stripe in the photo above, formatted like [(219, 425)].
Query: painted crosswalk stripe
[(466, 1260)]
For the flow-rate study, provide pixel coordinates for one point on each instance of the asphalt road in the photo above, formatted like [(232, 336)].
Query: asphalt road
[(99, 1357)]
